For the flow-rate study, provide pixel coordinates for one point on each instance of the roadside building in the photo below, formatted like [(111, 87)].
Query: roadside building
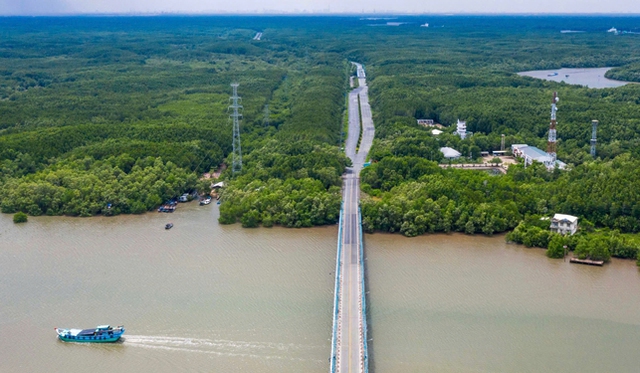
[(450, 153), (564, 224), (435, 132)]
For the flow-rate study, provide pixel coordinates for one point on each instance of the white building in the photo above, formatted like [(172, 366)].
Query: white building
[(461, 129), (531, 153), (564, 224), (450, 153)]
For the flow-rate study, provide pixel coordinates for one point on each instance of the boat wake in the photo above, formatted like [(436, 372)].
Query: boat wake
[(257, 350)]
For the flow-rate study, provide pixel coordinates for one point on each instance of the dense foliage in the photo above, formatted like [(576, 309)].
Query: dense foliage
[(87, 187), (116, 115), (292, 184), (405, 190), (628, 73)]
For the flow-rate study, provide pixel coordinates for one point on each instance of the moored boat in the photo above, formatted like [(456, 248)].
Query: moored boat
[(100, 334), (205, 201), (168, 226)]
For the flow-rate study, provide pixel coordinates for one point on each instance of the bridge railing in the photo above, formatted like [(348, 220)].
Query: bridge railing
[(364, 297), (336, 297)]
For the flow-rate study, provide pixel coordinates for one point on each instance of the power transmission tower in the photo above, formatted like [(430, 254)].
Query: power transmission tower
[(237, 150), (594, 127), (266, 115)]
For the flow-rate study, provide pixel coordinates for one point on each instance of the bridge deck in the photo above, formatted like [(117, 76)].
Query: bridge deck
[(350, 347)]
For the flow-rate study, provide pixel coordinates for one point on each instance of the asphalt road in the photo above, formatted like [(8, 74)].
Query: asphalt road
[(350, 334)]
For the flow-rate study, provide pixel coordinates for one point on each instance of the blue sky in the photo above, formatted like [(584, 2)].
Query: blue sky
[(33, 7)]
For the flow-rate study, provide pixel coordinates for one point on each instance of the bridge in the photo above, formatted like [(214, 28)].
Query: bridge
[(349, 353)]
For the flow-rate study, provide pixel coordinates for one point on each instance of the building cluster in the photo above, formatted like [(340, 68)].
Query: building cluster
[(530, 154)]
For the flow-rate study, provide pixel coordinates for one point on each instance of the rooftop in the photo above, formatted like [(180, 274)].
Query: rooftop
[(450, 152), (535, 153), (570, 218)]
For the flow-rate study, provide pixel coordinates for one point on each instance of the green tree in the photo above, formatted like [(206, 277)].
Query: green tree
[(556, 247), (595, 248), (20, 217), (250, 219), (600, 249)]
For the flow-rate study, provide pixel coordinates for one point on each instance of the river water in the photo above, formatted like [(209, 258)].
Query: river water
[(590, 77), (203, 297), (200, 297)]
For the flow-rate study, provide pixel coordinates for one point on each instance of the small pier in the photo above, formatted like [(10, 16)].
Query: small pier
[(589, 262)]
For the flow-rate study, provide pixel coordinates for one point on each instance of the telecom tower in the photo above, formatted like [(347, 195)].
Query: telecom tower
[(594, 127), (237, 150), (551, 144)]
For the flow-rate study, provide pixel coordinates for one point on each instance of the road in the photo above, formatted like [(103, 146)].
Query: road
[(351, 337)]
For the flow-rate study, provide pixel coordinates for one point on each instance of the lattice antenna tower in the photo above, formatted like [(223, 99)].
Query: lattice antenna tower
[(236, 116), (266, 115), (551, 144), (594, 127)]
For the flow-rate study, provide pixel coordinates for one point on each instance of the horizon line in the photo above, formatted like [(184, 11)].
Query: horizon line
[(308, 13)]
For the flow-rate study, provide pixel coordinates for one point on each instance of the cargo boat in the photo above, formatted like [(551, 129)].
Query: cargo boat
[(100, 334)]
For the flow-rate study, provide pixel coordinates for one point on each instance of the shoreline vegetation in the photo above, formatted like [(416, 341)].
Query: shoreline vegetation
[(128, 113)]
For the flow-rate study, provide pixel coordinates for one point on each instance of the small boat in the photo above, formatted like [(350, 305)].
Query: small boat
[(205, 201), (168, 226), (168, 207), (100, 334)]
